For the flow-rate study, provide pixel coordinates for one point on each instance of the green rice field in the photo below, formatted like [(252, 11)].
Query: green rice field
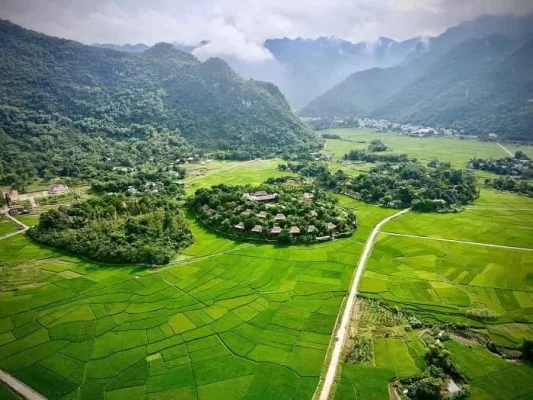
[(225, 320), (457, 151), (7, 226)]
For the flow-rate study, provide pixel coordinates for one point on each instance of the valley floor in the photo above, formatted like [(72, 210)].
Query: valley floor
[(239, 321)]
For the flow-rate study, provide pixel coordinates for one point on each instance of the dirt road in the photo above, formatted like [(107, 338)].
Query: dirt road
[(345, 321)]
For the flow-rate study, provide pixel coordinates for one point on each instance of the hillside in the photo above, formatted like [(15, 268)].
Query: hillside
[(480, 86), (67, 88)]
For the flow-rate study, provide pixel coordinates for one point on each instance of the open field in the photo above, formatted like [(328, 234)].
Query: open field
[(7, 226), (226, 319), (490, 376), (457, 151), (233, 173), (30, 220), (495, 218)]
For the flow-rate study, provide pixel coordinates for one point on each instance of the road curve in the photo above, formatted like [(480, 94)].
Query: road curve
[(345, 321)]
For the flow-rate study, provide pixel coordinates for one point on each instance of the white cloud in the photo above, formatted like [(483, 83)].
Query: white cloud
[(239, 27)]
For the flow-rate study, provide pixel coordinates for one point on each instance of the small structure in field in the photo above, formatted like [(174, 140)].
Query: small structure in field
[(308, 196), (240, 226), (262, 214), (260, 196), (279, 217), (276, 230), (294, 230), (313, 213), (247, 212), (311, 229), (257, 229), (57, 188), (323, 238), (331, 226)]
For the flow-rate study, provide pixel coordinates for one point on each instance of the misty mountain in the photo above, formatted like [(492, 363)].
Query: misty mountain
[(128, 48), (121, 95), (429, 87)]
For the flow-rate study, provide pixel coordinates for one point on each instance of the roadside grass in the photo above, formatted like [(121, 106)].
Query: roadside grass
[(457, 151), (238, 319), (7, 226)]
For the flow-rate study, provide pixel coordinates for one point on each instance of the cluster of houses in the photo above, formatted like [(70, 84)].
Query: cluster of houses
[(13, 198), (276, 229)]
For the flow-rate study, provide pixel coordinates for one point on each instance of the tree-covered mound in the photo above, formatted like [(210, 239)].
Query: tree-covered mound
[(115, 228), (403, 185), (520, 166), (280, 210)]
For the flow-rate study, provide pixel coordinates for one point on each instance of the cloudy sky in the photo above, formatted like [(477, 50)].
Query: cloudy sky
[(238, 27)]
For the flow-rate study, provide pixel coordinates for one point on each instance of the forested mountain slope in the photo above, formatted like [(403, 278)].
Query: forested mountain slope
[(481, 86), (51, 86)]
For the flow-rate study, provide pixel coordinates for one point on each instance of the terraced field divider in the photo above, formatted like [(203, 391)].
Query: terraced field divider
[(342, 330)]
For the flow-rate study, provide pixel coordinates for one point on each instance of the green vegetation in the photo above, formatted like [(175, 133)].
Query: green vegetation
[(117, 229), (377, 145), (243, 320), (102, 108), (7, 226), (359, 155), (518, 166), (403, 185), (429, 88), (508, 184), (295, 212)]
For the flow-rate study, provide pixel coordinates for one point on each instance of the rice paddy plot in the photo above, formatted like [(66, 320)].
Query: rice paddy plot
[(226, 318), (445, 281), (235, 173), (490, 376), (7, 226)]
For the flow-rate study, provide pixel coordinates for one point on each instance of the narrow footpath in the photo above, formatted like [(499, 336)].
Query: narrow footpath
[(23, 226), (500, 246), (340, 335), (506, 150)]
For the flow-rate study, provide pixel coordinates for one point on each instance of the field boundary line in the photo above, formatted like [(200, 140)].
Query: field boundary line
[(347, 313), (20, 388), (23, 227), (500, 246), (232, 167), (506, 150)]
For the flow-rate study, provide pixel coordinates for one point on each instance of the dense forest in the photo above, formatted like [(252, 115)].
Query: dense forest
[(403, 185), (69, 109), (279, 211), (117, 229)]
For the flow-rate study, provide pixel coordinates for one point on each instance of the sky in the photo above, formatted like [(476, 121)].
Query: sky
[(238, 28)]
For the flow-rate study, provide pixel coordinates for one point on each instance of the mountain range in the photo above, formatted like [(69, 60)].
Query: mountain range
[(481, 84), (162, 87)]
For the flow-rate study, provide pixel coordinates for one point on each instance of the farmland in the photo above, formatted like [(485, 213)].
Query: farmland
[(234, 320), (458, 152), (223, 317)]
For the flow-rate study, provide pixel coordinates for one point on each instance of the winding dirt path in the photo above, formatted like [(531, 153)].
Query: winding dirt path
[(342, 331), (22, 225)]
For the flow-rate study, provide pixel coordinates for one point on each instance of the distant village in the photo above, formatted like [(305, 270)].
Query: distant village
[(382, 125)]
